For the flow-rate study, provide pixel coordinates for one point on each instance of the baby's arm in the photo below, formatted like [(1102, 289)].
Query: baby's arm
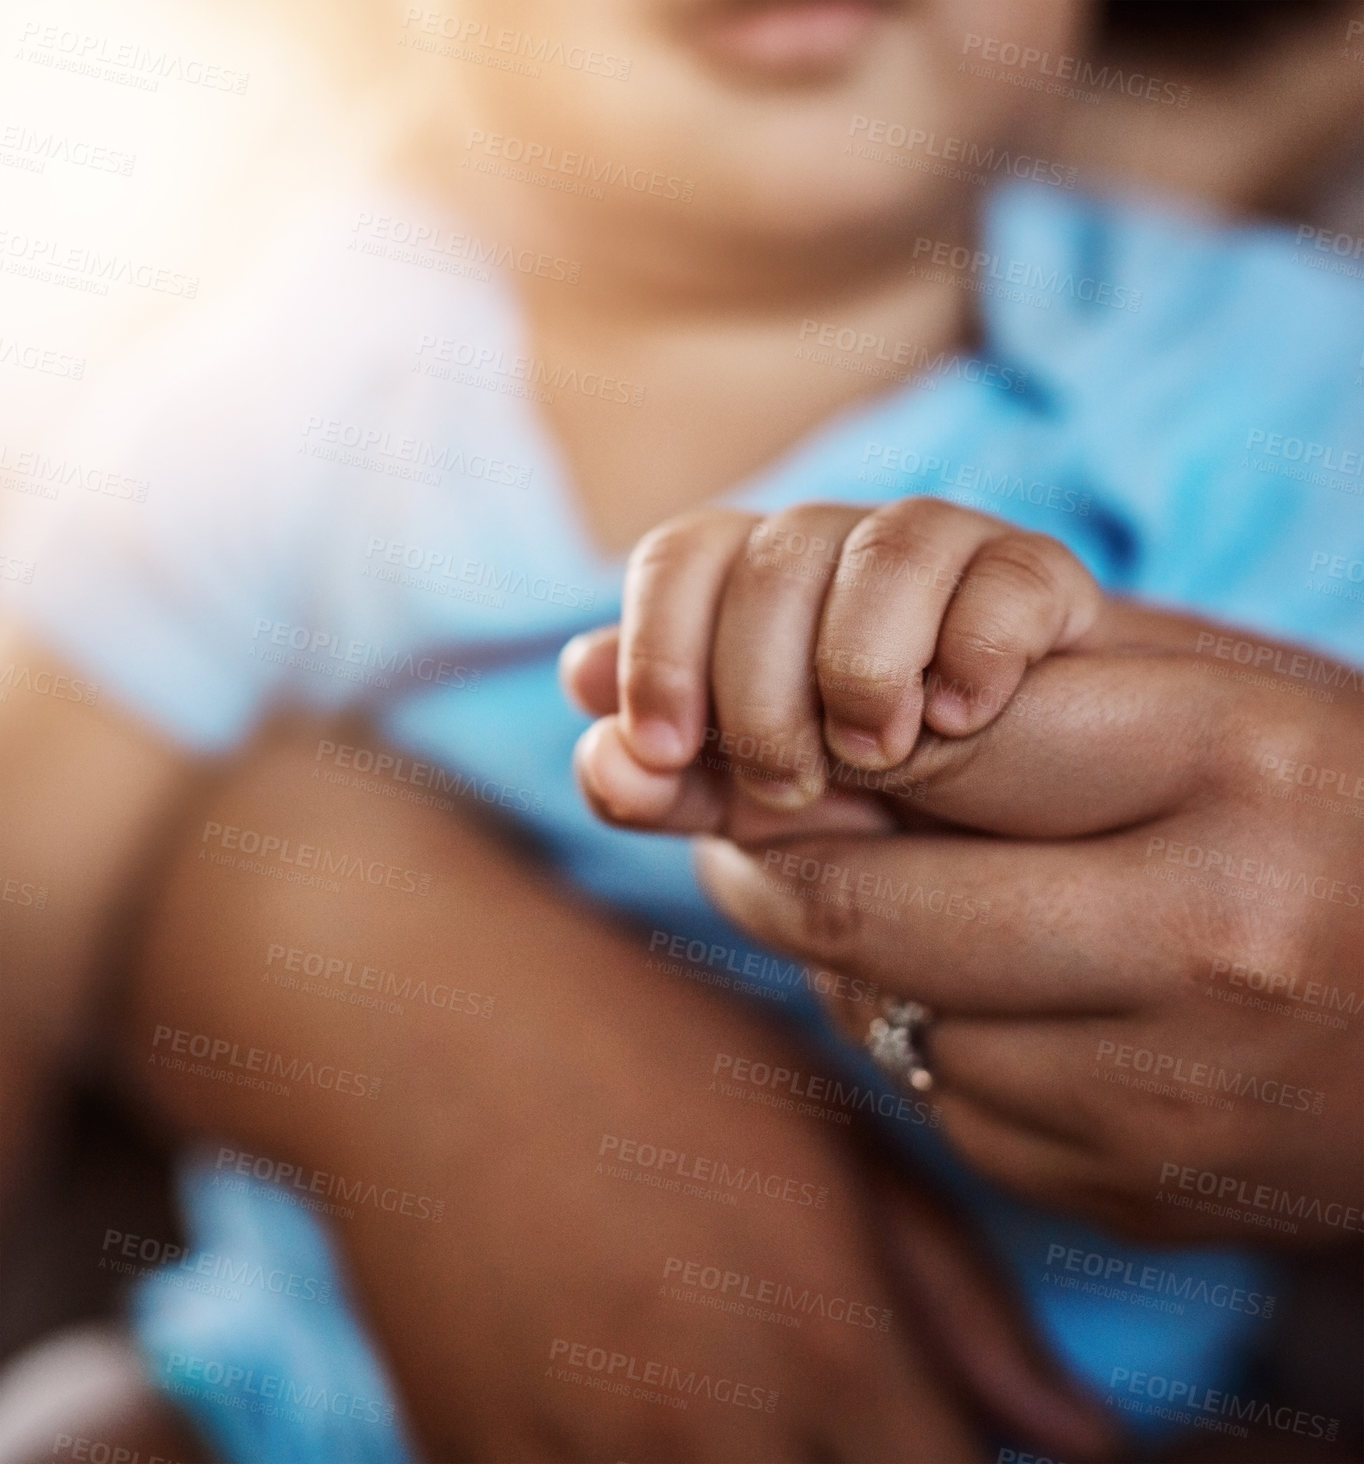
[(823, 631)]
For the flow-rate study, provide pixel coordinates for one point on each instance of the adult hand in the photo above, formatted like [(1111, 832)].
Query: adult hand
[(1140, 927), (1135, 903)]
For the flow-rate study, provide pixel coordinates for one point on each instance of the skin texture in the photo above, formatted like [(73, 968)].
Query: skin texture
[(703, 303), (84, 811), (1121, 841), (825, 627), (536, 1244)]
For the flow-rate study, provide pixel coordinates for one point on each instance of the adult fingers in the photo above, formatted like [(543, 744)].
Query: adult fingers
[(1039, 1167), (1040, 1074), (962, 924), (1089, 743)]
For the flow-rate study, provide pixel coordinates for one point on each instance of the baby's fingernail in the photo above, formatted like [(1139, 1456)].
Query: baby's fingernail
[(853, 745), (657, 742)]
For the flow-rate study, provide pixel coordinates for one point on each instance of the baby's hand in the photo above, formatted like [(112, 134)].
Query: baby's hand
[(761, 647)]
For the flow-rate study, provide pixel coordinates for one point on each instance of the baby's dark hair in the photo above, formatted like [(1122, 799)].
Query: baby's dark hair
[(1204, 29)]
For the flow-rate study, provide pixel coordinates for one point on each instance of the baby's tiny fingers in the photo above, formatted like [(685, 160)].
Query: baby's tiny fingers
[(587, 671), (1022, 596), (621, 791), (671, 600), (898, 570)]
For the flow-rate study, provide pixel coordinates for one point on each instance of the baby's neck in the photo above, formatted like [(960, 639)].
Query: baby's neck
[(724, 393)]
